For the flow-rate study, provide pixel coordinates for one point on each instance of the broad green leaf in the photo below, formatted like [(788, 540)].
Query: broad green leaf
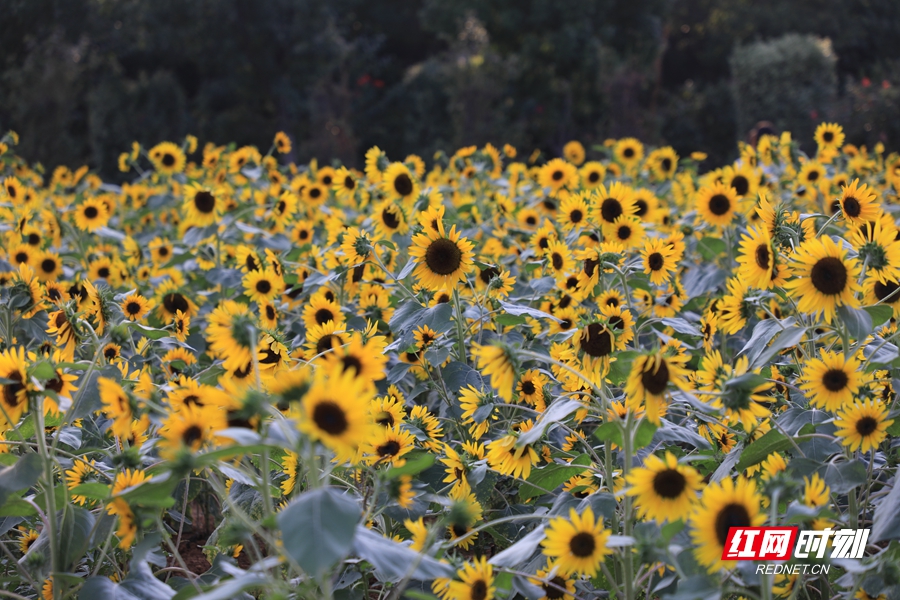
[(325, 516), (858, 321), (710, 248), (550, 477), (556, 412), (880, 313), (20, 476), (886, 521), (97, 491), (772, 441), (415, 464), (394, 561)]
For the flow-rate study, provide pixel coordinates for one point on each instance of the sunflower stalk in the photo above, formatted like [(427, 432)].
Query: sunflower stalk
[(460, 329), (627, 445), (55, 559)]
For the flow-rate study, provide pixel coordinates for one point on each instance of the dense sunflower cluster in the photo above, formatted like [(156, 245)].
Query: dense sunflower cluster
[(487, 377)]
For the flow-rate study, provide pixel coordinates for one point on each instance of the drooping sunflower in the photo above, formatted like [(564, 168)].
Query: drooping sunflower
[(230, 331), (663, 162), (831, 381), (863, 425), (824, 277), (504, 457), (14, 393), (366, 360), (389, 219), (717, 203), (476, 582), (878, 246), (201, 205), (758, 260), (724, 504), (663, 489), (859, 203), (500, 364), (559, 259), (168, 158), (335, 412), (443, 259), (577, 545), (650, 378), (116, 405)]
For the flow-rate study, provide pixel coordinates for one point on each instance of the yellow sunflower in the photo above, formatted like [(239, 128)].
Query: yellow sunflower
[(717, 204), (335, 412), (577, 545), (724, 504), (442, 258), (824, 277), (863, 425), (663, 489)]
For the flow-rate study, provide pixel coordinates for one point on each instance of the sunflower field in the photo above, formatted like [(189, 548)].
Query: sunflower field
[(494, 376)]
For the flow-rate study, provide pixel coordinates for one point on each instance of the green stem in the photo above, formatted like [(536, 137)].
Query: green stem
[(460, 329), (40, 434), (628, 443)]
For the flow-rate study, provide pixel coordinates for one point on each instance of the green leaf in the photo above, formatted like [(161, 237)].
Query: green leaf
[(644, 434), (857, 321), (42, 370), (97, 491), (520, 309), (886, 521), (550, 477), (844, 476), (620, 368), (609, 432), (669, 530), (710, 248), (772, 441), (318, 528), (20, 476), (507, 320), (415, 464), (880, 313), (393, 561), (153, 334), (557, 411)]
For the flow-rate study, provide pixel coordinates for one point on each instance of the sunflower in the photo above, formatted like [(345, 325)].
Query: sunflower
[(230, 331), (320, 310), (388, 445), (573, 152), (663, 163), (829, 136), (476, 582), (14, 392), (282, 143), (399, 183), (557, 174), (167, 158), (91, 215), (812, 174), (27, 537), (629, 152), (621, 323), (170, 299), (824, 278), (366, 360), (592, 174), (627, 232), (504, 457), (189, 429), (376, 164), (658, 259), (463, 515), (181, 324), (664, 490), (574, 212), (863, 425), (117, 406), (389, 219), (500, 364), (578, 544), (614, 202), (442, 259), (725, 504), (831, 381), (14, 189), (716, 204), (758, 260), (48, 266), (135, 307), (201, 205), (742, 179), (650, 377), (263, 285), (335, 412), (531, 389), (859, 203)]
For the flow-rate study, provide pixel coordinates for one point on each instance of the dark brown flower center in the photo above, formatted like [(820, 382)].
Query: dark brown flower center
[(389, 448), (263, 286), (205, 202), (655, 261), (330, 417), (403, 184), (762, 256), (192, 434), (740, 184), (168, 160), (655, 381), (731, 515), (91, 212), (835, 380), (852, 207), (829, 275), (175, 302), (390, 219), (866, 426), (719, 205), (611, 209), (596, 340), (443, 256), (323, 315), (669, 483), (583, 544), (886, 292)]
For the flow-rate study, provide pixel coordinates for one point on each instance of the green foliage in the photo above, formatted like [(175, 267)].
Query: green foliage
[(788, 81)]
